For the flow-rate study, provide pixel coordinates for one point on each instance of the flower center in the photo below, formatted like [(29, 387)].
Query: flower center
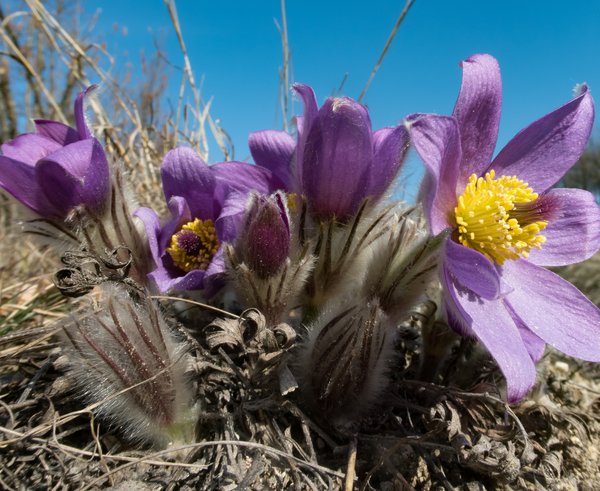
[(194, 246), (501, 218)]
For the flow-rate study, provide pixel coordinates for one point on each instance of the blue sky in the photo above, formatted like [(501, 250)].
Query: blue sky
[(544, 49)]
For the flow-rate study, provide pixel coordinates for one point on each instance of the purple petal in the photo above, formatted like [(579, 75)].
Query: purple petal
[(389, 148), (554, 309), (18, 179), (80, 122), (274, 150), (574, 234), (185, 174), (165, 281), (493, 326), (544, 151), (152, 227), (75, 174), (471, 269), (59, 132), (477, 111), (437, 141), (180, 215), (231, 216), (243, 177), (534, 344), (29, 148), (338, 159), (304, 124)]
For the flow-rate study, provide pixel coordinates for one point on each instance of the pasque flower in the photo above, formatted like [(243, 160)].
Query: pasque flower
[(206, 204), (507, 222), (337, 160), (56, 168)]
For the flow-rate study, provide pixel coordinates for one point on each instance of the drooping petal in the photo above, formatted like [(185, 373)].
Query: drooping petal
[(554, 309), (492, 325), (574, 234), (185, 174), (471, 269), (80, 122), (274, 150), (389, 148), (544, 151), (75, 174), (437, 141), (29, 148), (338, 158), (477, 111), (57, 131), (18, 179)]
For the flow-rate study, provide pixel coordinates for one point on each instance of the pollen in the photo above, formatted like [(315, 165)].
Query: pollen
[(194, 246), (501, 218)]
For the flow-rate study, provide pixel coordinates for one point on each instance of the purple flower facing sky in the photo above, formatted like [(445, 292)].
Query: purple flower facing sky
[(207, 203), (337, 161), (56, 168), (507, 222)]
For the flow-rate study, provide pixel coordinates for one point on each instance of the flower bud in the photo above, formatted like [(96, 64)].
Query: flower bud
[(264, 243), (129, 364), (342, 365)]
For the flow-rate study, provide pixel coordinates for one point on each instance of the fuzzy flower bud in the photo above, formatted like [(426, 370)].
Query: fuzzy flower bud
[(267, 270), (342, 365), (129, 363), (264, 243)]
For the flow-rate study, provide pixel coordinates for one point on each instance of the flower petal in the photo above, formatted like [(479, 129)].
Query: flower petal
[(471, 269), (80, 122), (166, 281), (18, 179), (477, 111), (574, 235), (59, 132), (151, 224), (554, 309), (338, 158), (185, 174), (274, 150), (243, 177), (75, 174), (303, 124), (437, 141), (232, 213), (492, 325), (544, 151), (389, 148), (29, 148)]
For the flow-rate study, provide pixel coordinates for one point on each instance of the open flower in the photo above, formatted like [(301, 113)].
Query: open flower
[(206, 205), (506, 222), (56, 168), (337, 161)]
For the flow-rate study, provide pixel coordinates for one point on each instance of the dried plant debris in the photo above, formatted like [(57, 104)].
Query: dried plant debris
[(253, 434)]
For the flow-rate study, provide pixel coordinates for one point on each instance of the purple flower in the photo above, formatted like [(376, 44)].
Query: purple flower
[(56, 168), (506, 222), (206, 204), (337, 161)]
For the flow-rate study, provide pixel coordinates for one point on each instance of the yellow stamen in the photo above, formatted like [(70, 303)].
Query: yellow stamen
[(488, 218), (194, 246)]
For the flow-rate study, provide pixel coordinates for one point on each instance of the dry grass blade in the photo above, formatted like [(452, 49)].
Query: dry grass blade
[(388, 43)]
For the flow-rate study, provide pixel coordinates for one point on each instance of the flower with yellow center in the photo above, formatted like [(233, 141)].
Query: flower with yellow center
[(194, 246), (499, 217)]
